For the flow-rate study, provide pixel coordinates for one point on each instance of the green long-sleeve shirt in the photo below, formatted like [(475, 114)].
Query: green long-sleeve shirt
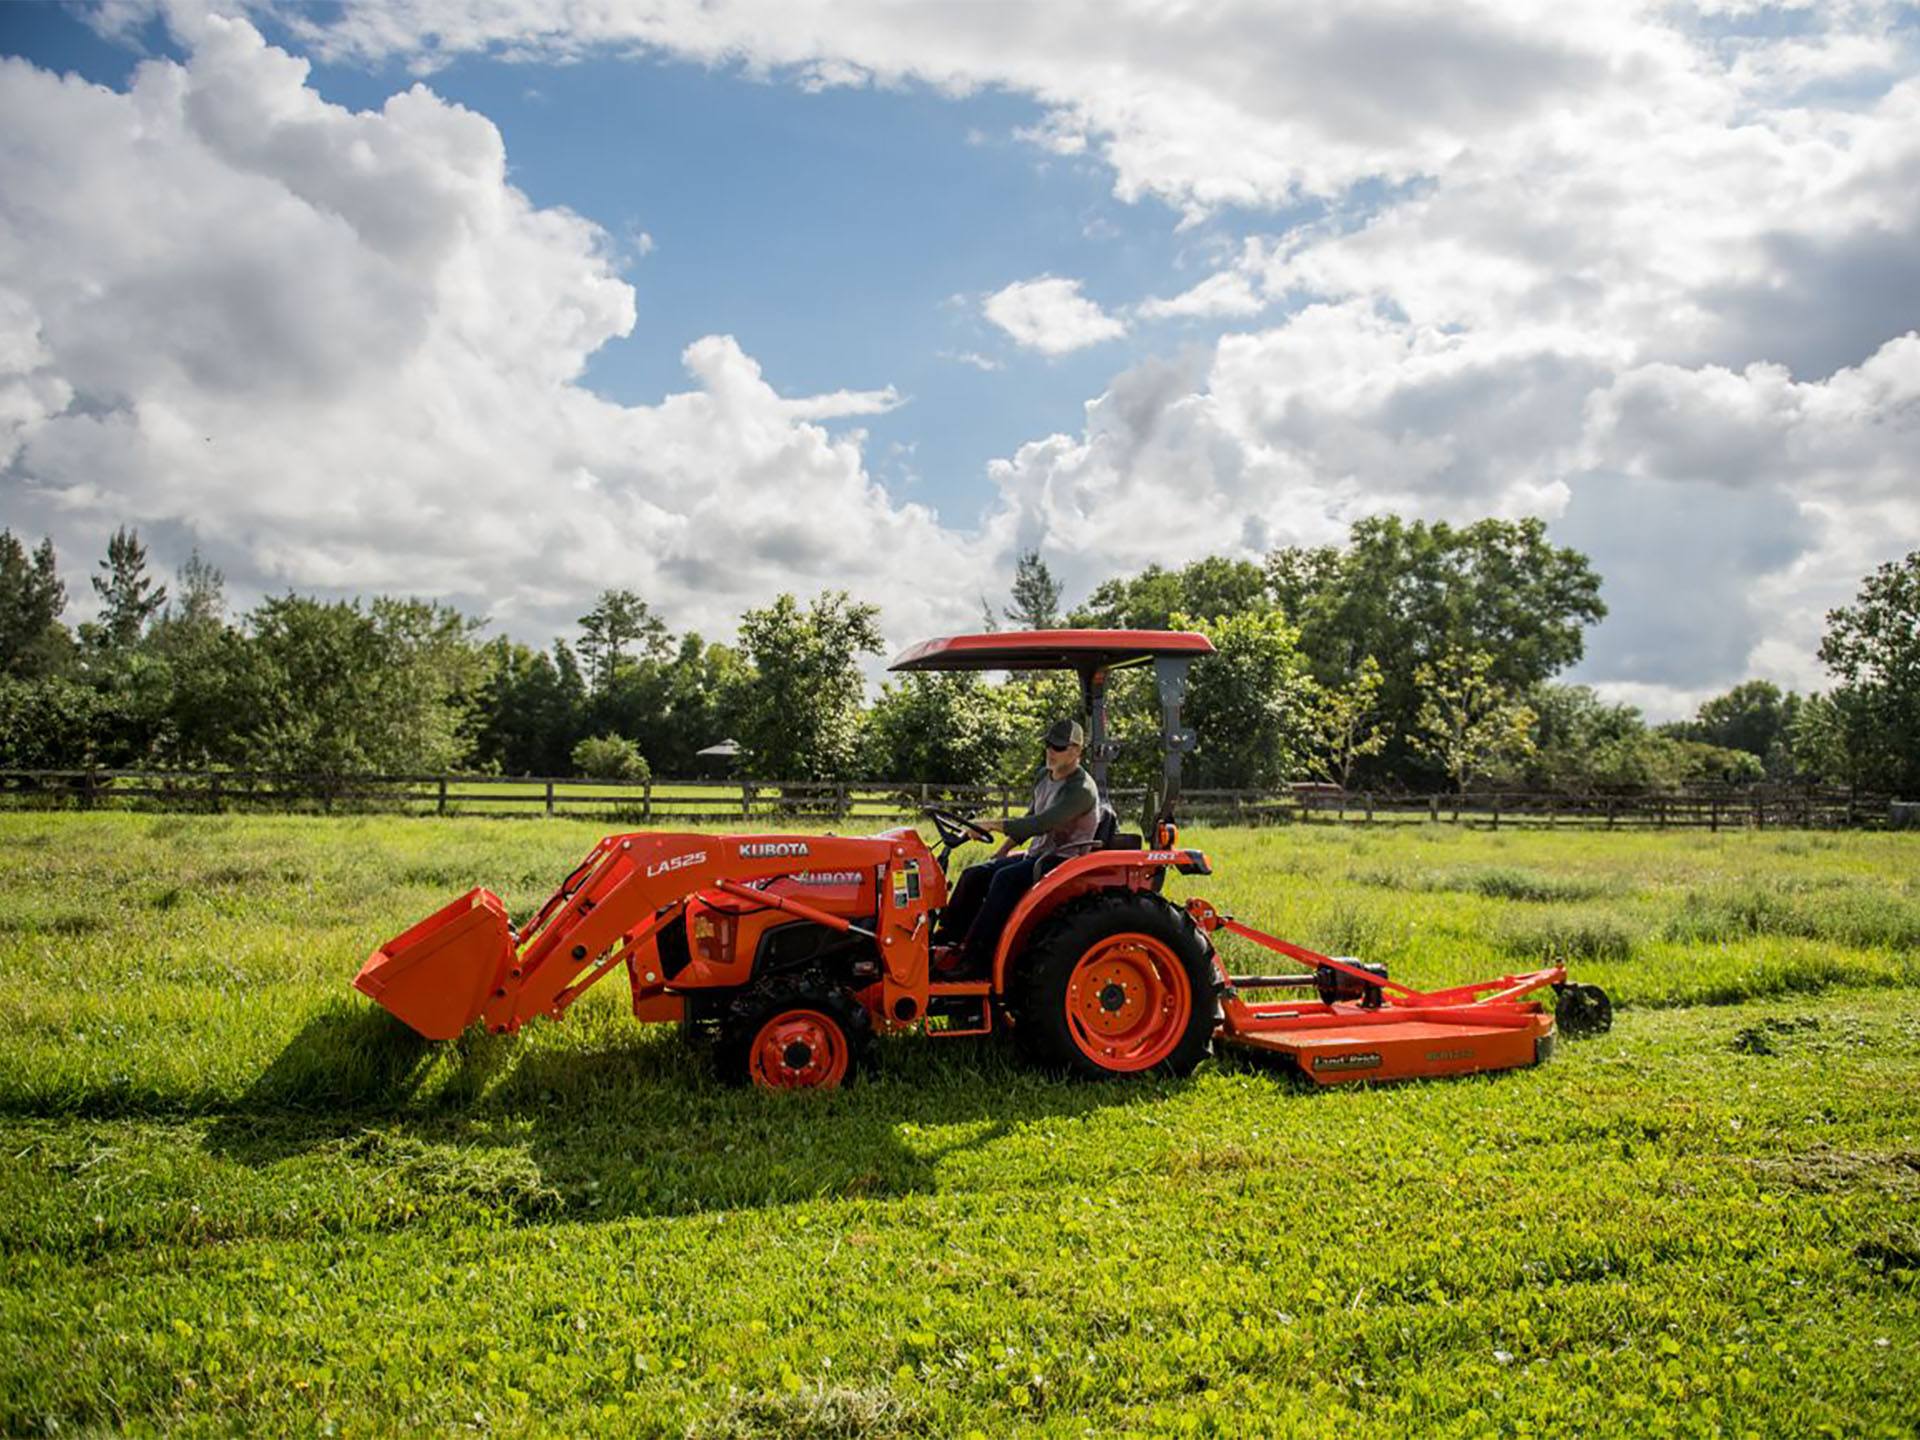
[(1063, 813)]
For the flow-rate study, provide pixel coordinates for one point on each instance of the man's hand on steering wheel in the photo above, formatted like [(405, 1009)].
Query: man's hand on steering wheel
[(955, 829)]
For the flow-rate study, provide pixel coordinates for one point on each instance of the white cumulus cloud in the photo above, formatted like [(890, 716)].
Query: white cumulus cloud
[(1649, 269), (338, 350), (1050, 315)]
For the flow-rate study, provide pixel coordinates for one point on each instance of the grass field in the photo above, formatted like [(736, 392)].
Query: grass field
[(236, 1198)]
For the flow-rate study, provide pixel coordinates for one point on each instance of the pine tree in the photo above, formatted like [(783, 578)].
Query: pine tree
[(32, 640), (203, 591), (131, 598), (617, 622), (1036, 594)]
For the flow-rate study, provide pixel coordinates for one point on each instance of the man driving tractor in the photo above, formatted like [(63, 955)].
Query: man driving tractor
[(1060, 822)]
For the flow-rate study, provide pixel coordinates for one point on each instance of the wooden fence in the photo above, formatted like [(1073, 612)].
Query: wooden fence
[(664, 802)]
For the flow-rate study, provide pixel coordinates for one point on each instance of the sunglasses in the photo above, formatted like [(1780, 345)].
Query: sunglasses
[(1052, 746)]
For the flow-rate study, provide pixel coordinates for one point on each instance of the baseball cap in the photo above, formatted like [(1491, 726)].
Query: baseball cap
[(1065, 733)]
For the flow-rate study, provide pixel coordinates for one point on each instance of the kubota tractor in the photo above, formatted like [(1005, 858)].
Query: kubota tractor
[(790, 951)]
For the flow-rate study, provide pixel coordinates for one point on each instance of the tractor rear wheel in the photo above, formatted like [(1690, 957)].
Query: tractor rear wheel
[(794, 1032), (1117, 984)]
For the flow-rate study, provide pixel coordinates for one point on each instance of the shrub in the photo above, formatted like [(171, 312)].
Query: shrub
[(1843, 916), (610, 757), (1509, 883), (1556, 939)]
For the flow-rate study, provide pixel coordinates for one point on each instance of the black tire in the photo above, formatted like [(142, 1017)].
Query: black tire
[(765, 1001), (1038, 998), (1581, 1010)]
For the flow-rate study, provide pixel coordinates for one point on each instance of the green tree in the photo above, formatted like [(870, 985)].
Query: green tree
[(1036, 594), (526, 717), (1251, 703), (129, 597), (212, 690), (33, 642), (1873, 648), (610, 757), (54, 723), (1208, 588), (1406, 593), (801, 706), (1755, 716), (618, 623), (1468, 722), (1579, 739), (703, 689), (341, 690), (201, 591), (1344, 723), (1822, 741), (946, 728)]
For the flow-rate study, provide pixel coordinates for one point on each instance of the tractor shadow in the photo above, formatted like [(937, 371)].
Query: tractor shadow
[(628, 1120)]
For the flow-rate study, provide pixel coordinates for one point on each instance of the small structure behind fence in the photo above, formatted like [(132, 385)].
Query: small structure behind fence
[(663, 803)]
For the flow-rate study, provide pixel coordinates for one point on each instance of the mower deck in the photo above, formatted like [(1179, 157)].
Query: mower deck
[(1333, 1043), (1360, 1025)]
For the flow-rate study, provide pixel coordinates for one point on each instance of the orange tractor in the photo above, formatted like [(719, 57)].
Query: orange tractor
[(791, 951)]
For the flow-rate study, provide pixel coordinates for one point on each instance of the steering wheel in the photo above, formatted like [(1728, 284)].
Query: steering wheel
[(955, 830)]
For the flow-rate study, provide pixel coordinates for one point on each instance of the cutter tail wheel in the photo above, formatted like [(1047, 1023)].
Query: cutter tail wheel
[(794, 1032), (1581, 1010), (1117, 985)]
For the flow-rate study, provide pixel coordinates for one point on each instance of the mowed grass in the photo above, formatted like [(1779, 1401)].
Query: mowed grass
[(238, 1199)]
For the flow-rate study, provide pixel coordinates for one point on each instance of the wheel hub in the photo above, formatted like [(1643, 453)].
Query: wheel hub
[(1128, 1002), (799, 1050)]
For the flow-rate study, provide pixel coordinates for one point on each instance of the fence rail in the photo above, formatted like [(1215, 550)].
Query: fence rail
[(707, 801)]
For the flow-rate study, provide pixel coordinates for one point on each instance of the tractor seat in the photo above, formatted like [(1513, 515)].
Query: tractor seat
[(1106, 836)]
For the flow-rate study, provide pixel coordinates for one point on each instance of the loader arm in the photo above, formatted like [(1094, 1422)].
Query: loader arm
[(466, 962)]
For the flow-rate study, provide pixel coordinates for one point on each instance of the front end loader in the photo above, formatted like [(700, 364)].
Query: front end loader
[(789, 952)]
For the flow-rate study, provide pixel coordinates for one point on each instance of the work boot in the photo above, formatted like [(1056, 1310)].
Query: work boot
[(948, 961)]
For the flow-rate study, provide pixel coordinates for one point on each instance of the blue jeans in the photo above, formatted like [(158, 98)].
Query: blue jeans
[(983, 898)]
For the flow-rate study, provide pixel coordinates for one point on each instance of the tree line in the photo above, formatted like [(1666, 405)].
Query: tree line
[(1414, 655)]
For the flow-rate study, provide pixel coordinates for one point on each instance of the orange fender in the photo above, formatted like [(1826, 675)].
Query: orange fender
[(1082, 875)]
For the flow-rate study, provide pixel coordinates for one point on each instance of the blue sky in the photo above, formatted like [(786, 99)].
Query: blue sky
[(843, 236), (1127, 283)]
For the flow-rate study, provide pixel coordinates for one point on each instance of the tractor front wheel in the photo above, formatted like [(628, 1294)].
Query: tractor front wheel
[(793, 1032), (1119, 984)]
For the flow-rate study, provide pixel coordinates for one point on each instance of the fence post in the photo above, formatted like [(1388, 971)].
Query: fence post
[(442, 807), (1369, 799), (549, 797), (1433, 809), (646, 798), (746, 798), (1714, 816), (1496, 812), (213, 792)]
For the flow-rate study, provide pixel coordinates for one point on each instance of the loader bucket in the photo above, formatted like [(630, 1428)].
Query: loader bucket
[(438, 975)]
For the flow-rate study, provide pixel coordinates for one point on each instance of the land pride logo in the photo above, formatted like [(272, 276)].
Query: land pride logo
[(1364, 1060), (772, 849)]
